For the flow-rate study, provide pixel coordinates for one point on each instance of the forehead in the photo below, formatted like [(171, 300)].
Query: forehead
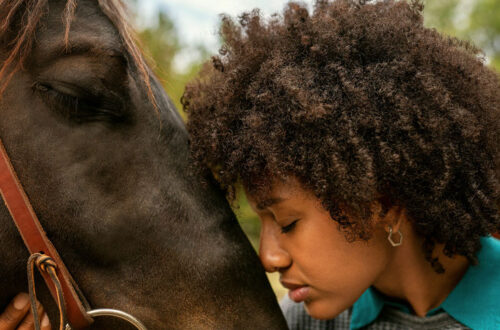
[(91, 32), (277, 192)]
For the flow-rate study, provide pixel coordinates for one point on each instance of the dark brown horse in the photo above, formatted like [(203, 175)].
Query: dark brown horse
[(106, 172)]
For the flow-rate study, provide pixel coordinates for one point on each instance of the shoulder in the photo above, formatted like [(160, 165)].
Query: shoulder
[(487, 272), (298, 319)]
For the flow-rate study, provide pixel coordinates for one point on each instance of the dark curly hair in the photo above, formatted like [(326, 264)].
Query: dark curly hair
[(359, 102)]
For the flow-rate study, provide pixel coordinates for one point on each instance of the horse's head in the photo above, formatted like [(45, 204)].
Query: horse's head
[(102, 155)]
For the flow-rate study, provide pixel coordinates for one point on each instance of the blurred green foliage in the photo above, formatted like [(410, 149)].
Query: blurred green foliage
[(474, 20), (161, 45)]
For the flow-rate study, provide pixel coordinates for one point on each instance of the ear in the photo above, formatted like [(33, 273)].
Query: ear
[(394, 218), (388, 215)]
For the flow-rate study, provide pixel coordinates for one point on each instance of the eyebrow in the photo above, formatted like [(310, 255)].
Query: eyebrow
[(84, 47), (269, 202)]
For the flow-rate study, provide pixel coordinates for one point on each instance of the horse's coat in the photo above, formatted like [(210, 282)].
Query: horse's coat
[(106, 174)]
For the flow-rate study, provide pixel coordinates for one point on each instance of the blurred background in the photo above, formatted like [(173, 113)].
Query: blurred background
[(179, 35)]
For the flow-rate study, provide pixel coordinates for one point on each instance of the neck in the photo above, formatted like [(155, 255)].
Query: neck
[(411, 278)]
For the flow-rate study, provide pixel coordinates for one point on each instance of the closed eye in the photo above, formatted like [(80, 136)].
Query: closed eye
[(78, 105), (288, 228)]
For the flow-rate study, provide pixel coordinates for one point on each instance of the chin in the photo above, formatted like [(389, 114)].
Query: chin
[(323, 310)]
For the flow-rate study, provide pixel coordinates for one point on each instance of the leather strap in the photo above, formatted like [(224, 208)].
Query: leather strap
[(36, 240)]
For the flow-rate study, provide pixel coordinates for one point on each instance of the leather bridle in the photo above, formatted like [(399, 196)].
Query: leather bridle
[(72, 304)]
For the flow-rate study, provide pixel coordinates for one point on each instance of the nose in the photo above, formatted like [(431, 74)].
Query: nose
[(272, 255)]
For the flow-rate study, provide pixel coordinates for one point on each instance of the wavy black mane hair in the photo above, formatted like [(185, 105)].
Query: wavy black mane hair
[(359, 102)]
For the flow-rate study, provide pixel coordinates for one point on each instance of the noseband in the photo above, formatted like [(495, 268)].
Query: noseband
[(75, 312)]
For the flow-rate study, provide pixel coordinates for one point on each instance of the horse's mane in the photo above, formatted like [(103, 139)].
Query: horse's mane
[(24, 17)]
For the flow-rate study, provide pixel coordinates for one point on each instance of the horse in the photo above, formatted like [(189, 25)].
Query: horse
[(103, 156)]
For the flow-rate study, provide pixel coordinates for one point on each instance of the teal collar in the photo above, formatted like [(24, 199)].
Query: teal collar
[(474, 302)]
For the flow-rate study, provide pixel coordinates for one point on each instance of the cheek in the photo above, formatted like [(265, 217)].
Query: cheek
[(329, 251), (342, 271), (352, 264), (364, 261)]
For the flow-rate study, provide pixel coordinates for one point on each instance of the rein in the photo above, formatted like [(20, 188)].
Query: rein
[(74, 309)]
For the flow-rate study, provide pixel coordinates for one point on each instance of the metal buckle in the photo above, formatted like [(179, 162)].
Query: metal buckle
[(115, 313)]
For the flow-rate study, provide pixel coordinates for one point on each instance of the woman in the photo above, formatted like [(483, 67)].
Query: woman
[(368, 146)]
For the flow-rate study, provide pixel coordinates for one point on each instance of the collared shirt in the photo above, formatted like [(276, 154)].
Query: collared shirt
[(474, 302)]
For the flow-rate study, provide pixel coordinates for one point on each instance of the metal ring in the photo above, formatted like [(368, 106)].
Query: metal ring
[(392, 241), (115, 313)]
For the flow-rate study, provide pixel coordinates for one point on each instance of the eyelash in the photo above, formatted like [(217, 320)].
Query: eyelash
[(74, 107), (289, 227)]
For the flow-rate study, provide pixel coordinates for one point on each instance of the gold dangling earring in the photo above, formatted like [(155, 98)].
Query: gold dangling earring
[(390, 237)]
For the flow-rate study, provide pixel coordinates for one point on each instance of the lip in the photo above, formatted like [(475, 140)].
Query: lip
[(298, 292)]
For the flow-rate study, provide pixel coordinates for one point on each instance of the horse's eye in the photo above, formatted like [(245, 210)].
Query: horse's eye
[(79, 105)]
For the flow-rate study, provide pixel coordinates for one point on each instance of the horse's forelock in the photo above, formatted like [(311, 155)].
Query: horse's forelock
[(117, 13), (25, 15)]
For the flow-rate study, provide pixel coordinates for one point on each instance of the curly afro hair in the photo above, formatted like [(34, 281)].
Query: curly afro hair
[(356, 101)]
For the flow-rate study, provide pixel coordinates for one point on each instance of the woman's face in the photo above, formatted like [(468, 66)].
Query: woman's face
[(300, 240)]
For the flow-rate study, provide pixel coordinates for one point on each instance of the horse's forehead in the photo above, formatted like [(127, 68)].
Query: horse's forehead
[(90, 30)]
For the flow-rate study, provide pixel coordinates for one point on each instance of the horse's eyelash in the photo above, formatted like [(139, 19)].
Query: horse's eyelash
[(69, 101), (79, 108)]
